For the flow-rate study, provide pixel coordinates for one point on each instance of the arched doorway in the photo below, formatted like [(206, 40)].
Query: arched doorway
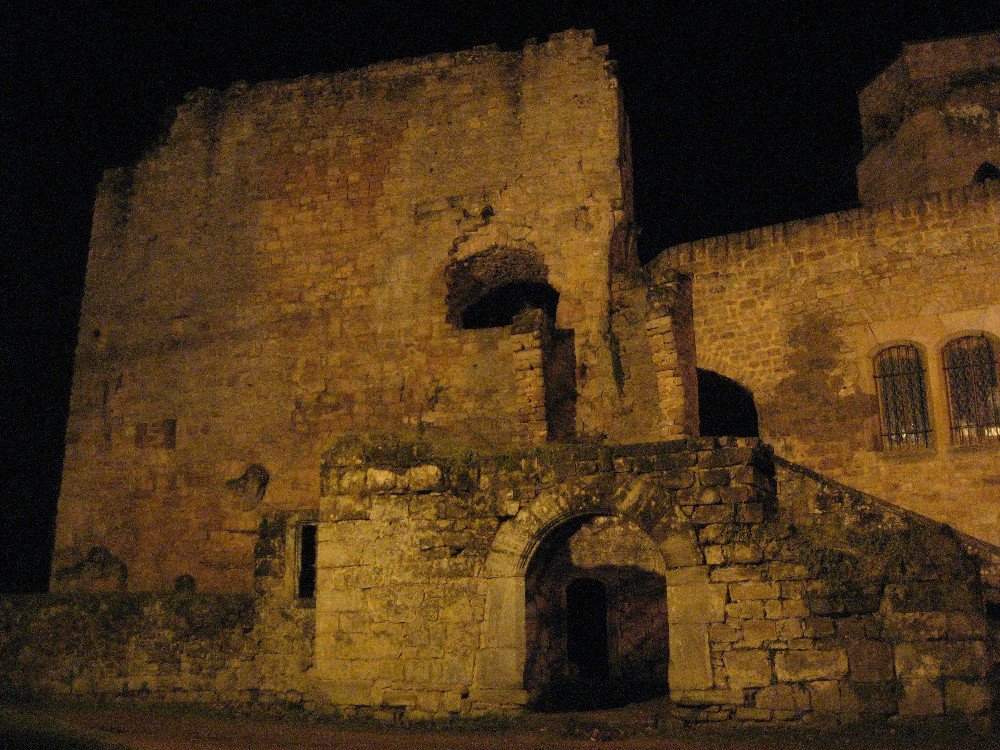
[(595, 616)]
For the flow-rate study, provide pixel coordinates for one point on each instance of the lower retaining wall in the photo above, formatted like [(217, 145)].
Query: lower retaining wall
[(783, 596), (181, 646)]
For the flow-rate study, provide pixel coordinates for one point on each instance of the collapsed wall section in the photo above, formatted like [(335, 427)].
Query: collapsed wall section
[(277, 272), (182, 646)]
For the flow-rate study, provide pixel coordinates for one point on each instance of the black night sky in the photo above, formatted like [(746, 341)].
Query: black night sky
[(741, 116)]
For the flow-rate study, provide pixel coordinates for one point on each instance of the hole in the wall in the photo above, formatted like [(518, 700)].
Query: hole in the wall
[(305, 585), (987, 171), (725, 407), (498, 307), (497, 277)]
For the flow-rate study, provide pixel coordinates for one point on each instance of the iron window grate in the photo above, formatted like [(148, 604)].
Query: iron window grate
[(970, 369), (899, 376)]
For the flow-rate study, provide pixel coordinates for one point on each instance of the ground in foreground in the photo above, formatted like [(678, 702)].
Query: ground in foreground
[(88, 726)]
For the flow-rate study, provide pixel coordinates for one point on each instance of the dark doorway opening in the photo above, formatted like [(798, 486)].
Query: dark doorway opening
[(499, 306), (725, 407), (560, 385), (595, 617), (587, 629), (986, 171)]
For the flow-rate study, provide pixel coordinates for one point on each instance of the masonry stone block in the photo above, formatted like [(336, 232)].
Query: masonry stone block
[(680, 549), (690, 662), (797, 666), (425, 478), (748, 668), (824, 696), (696, 602), (961, 697), (921, 697), (871, 661), (789, 698)]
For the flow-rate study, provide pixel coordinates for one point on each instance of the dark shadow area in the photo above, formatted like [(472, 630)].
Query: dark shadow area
[(587, 629), (725, 408), (560, 385), (597, 634), (499, 306), (986, 171), (306, 584)]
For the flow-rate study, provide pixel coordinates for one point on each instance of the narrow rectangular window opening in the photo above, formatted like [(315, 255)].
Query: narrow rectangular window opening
[(305, 585)]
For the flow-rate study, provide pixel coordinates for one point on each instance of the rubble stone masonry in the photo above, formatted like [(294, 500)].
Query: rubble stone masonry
[(401, 307), (280, 268), (786, 595)]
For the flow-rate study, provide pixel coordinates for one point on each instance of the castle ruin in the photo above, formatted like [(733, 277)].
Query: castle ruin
[(375, 408)]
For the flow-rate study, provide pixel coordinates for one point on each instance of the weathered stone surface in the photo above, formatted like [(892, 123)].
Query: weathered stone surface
[(680, 549), (824, 696), (962, 698), (690, 697), (425, 478), (921, 697), (795, 666), (758, 632), (870, 698), (739, 592), (791, 698), (932, 659), (748, 668), (697, 602), (690, 658), (870, 661)]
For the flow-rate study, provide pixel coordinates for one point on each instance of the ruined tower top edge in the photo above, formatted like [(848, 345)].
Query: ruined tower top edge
[(923, 71)]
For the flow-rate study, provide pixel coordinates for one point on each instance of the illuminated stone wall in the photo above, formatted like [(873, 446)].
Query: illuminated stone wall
[(797, 311), (290, 264), (768, 592)]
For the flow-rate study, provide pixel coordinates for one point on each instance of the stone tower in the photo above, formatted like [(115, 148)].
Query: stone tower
[(931, 120)]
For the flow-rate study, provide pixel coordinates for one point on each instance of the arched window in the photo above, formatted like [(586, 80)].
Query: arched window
[(899, 375), (970, 367), (986, 171)]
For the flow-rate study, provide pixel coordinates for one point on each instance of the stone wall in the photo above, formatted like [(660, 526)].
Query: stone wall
[(773, 612), (183, 646), (796, 312), (291, 263), (744, 588)]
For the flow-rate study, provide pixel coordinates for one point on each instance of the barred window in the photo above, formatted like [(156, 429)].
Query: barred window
[(970, 367), (899, 375)]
